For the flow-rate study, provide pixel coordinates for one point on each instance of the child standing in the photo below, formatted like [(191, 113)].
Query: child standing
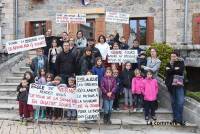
[(108, 88), (30, 79), (118, 89), (22, 98), (40, 112), (49, 110), (137, 88), (126, 77), (71, 113), (150, 95), (57, 113), (99, 70)]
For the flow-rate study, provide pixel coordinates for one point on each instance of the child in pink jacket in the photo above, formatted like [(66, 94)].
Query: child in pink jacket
[(150, 95), (137, 89)]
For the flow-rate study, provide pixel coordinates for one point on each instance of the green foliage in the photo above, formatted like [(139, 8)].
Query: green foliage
[(163, 53), (194, 95)]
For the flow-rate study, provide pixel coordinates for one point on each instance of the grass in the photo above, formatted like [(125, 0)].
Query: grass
[(194, 95)]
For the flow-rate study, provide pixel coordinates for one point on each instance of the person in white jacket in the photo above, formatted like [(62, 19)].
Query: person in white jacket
[(103, 47)]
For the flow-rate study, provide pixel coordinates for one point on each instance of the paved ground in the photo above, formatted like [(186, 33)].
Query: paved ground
[(14, 127)]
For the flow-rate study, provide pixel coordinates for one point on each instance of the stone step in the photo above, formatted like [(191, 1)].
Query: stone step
[(133, 123), (8, 99), (9, 108), (161, 113), (8, 85), (24, 69), (8, 91), (13, 79), (18, 74)]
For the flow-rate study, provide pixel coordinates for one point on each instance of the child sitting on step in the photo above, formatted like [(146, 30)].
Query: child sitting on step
[(150, 93), (22, 98)]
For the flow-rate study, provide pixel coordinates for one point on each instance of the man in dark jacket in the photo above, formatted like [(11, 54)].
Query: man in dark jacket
[(48, 39), (65, 63), (39, 62), (139, 50), (176, 68)]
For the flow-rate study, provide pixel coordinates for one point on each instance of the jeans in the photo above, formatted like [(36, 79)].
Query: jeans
[(128, 97), (138, 99), (177, 103), (149, 108), (107, 104), (52, 68)]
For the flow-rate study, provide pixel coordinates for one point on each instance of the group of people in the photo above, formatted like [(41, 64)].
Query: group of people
[(65, 57)]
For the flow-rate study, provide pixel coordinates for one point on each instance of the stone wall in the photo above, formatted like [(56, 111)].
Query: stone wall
[(46, 10)]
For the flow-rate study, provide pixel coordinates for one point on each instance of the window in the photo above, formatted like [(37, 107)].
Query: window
[(196, 28), (141, 29), (39, 28), (88, 29), (138, 29), (33, 28)]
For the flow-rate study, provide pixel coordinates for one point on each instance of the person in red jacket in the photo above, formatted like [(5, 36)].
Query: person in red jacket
[(150, 93), (108, 88)]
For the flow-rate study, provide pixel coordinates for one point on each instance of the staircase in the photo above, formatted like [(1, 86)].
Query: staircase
[(123, 119)]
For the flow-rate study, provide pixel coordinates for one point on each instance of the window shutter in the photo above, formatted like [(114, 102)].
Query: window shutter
[(126, 31), (28, 29), (150, 30), (196, 29), (48, 25), (73, 29), (100, 27)]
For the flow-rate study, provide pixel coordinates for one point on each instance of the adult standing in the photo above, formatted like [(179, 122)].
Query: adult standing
[(139, 50), (53, 53), (174, 83), (87, 61), (64, 38), (153, 63), (39, 62), (103, 47), (48, 39), (95, 51), (81, 41), (65, 63)]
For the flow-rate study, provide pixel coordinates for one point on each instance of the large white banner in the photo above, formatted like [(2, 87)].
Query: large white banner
[(117, 17), (52, 96), (122, 56), (70, 18), (25, 44), (87, 97)]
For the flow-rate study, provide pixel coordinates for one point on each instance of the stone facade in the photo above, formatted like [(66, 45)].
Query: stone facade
[(37, 10)]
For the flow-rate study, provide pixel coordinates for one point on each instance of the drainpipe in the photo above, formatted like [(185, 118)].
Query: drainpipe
[(185, 21), (16, 19), (164, 20)]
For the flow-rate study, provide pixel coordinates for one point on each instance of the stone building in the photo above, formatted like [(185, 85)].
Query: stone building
[(173, 21)]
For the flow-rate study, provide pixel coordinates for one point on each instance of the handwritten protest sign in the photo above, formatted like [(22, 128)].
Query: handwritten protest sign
[(87, 97), (52, 96), (117, 17), (70, 18), (25, 44), (122, 56)]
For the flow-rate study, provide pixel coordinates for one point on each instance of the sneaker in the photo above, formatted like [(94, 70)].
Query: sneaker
[(146, 118), (154, 118), (182, 123)]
